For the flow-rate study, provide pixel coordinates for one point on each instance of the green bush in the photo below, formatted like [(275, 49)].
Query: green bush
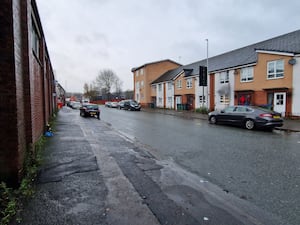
[(202, 110)]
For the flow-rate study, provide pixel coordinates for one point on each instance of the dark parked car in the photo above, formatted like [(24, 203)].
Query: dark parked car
[(249, 117), (131, 105), (90, 110), (121, 104)]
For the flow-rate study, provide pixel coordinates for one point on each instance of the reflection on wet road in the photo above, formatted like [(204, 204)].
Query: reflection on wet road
[(261, 167)]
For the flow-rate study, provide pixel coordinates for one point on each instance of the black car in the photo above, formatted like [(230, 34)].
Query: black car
[(131, 105), (249, 117), (90, 110)]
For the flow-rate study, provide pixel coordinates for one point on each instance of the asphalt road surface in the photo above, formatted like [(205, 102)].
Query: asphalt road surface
[(260, 167)]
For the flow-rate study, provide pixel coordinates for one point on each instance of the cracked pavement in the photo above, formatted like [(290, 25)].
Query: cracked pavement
[(93, 175)]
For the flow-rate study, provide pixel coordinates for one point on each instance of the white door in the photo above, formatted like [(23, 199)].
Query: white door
[(178, 101), (280, 102)]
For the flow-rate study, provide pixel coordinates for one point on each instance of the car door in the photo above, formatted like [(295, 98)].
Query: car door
[(226, 115), (239, 115)]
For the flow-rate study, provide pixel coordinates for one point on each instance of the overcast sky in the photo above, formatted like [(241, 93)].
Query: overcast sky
[(86, 36)]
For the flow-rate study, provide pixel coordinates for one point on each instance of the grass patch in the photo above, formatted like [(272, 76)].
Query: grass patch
[(11, 199)]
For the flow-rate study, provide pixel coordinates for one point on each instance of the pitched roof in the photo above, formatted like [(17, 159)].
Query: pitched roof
[(160, 61), (287, 43)]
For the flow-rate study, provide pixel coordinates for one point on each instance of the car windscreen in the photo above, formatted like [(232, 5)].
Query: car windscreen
[(95, 107)]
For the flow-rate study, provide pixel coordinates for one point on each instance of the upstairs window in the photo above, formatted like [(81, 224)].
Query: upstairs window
[(169, 86), (275, 69), (178, 84), (247, 74), (189, 83), (159, 88), (224, 77)]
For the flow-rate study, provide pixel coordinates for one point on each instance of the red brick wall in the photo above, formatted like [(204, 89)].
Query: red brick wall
[(8, 104), (26, 87)]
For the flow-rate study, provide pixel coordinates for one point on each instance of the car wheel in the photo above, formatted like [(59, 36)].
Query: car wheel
[(81, 113), (249, 124), (213, 120)]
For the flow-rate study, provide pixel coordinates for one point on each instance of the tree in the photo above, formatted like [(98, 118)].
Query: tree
[(118, 86), (106, 80), (89, 91)]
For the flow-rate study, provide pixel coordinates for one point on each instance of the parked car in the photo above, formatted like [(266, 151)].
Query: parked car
[(91, 110), (108, 104), (132, 105), (121, 104), (75, 105), (249, 117), (114, 104)]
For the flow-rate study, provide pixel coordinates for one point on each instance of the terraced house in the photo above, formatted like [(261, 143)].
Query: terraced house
[(266, 74), (144, 75)]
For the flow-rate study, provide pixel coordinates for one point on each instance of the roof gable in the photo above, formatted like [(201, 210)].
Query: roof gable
[(156, 62)]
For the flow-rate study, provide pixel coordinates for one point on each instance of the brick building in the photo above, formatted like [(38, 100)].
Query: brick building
[(144, 75), (27, 87)]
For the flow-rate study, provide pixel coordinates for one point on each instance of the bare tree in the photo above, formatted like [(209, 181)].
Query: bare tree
[(89, 91), (106, 80), (118, 86)]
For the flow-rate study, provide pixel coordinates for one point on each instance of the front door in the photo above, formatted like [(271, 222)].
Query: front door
[(280, 102), (177, 101)]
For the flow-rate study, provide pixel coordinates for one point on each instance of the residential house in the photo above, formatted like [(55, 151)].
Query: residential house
[(144, 75), (265, 74), (180, 89)]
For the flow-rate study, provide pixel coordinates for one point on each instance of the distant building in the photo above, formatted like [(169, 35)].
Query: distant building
[(144, 75)]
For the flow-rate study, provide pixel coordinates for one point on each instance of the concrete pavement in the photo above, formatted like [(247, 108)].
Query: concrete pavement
[(93, 175)]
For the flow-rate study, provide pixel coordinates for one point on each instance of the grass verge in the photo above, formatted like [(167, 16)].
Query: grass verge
[(11, 199)]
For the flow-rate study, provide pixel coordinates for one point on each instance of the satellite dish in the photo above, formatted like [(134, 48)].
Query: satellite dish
[(292, 61)]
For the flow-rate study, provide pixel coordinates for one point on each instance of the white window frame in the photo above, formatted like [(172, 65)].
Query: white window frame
[(247, 74), (160, 100), (179, 84), (159, 88), (224, 99), (202, 97), (224, 77), (189, 83), (169, 85), (137, 85), (142, 71), (277, 72)]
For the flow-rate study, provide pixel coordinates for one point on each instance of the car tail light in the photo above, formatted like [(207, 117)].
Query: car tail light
[(266, 115)]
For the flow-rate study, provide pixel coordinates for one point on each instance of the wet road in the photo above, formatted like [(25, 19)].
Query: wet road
[(260, 167)]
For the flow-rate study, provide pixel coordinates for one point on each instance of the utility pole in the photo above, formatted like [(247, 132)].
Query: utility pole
[(207, 73)]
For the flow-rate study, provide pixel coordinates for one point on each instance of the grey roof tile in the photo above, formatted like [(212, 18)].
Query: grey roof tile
[(288, 43)]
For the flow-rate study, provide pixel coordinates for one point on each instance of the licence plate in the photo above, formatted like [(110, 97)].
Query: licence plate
[(276, 117), (92, 113)]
